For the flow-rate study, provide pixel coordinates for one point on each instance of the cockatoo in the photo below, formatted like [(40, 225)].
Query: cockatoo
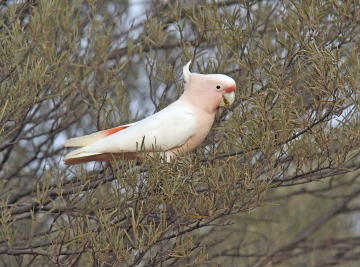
[(179, 128)]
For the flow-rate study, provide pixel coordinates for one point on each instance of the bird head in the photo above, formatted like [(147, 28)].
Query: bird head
[(216, 86)]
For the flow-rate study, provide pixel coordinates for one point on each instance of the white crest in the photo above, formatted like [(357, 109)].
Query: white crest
[(186, 71)]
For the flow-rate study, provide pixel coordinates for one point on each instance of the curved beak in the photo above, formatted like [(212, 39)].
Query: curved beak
[(227, 99)]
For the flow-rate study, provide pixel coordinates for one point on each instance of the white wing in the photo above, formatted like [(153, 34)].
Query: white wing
[(167, 129)]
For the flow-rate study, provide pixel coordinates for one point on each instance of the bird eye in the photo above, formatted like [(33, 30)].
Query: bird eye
[(218, 87)]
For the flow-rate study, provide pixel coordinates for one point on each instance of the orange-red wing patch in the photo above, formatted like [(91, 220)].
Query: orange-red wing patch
[(113, 130)]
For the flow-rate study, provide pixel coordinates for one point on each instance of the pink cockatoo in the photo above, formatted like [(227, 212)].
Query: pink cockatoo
[(178, 128)]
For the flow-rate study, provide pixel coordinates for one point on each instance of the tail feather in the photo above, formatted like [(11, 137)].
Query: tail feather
[(80, 156), (83, 157), (77, 153)]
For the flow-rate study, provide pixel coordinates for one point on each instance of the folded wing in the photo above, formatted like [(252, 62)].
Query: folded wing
[(165, 130), (93, 138)]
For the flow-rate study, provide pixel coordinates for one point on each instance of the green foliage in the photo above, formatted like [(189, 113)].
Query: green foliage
[(274, 183)]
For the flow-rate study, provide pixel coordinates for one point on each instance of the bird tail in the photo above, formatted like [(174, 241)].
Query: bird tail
[(80, 156)]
